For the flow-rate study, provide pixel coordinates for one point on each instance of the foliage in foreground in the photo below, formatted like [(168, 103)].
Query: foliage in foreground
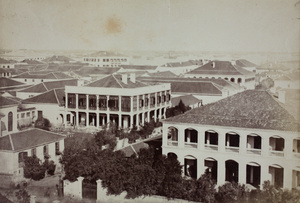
[(35, 169)]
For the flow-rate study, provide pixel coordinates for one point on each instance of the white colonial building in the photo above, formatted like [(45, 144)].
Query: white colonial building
[(224, 70), (106, 59), (116, 99), (247, 138)]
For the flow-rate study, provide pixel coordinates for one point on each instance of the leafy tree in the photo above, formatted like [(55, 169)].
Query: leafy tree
[(49, 166), (42, 123), (106, 138), (177, 110), (231, 192), (22, 196), (33, 168), (205, 189)]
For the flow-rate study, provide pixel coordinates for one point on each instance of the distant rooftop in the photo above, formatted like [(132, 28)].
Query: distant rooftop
[(28, 139), (52, 75), (7, 82), (54, 96), (186, 99), (248, 109), (245, 63), (220, 68), (115, 81), (6, 102), (45, 86)]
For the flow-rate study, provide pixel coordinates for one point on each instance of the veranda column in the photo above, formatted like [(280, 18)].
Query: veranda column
[(287, 177), (120, 113), (155, 107), (97, 103), (201, 139), (222, 140), (243, 144), (87, 102), (66, 100), (87, 119), (97, 120), (77, 118), (265, 146), (143, 118), (242, 172), (165, 135), (288, 147), (180, 136), (200, 167), (221, 172), (76, 100), (264, 174), (107, 111)]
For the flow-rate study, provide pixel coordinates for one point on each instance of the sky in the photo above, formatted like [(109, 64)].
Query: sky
[(156, 25)]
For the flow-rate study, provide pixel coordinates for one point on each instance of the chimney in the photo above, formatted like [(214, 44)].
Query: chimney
[(132, 77), (281, 96), (124, 78), (213, 64), (233, 62)]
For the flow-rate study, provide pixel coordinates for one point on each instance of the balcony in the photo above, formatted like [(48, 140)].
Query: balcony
[(114, 108), (276, 153), (232, 149), (73, 106), (254, 151), (82, 107), (190, 145), (211, 147), (92, 108), (172, 143)]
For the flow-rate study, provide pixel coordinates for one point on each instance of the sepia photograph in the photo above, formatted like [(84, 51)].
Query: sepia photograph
[(150, 101)]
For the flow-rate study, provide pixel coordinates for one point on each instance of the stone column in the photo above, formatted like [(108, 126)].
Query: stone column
[(97, 103), (242, 172), (66, 100), (79, 189), (201, 139), (131, 104), (287, 177), (101, 193), (264, 174), (288, 147), (87, 102), (131, 121), (181, 136), (77, 118), (243, 144), (97, 119), (143, 118), (165, 135), (221, 172), (265, 146), (222, 140), (120, 120), (76, 100), (87, 119)]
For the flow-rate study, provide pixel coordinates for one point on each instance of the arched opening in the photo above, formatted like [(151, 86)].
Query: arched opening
[(239, 80), (172, 155), (21, 158), (253, 144), (296, 145), (225, 78), (190, 166), (211, 166), (211, 140), (172, 136), (253, 174), (276, 146), (296, 179), (276, 172), (232, 171), (232, 79), (10, 121), (191, 137), (232, 142)]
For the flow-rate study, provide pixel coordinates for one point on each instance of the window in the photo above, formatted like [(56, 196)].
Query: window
[(28, 114), (57, 152), (17, 116), (22, 156), (10, 121), (25, 80), (22, 115), (45, 150), (32, 80), (33, 152)]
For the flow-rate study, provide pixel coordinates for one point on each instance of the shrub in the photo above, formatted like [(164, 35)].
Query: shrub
[(231, 192), (33, 168), (49, 167)]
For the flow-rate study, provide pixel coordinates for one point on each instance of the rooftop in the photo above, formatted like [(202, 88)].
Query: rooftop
[(6, 102), (45, 86), (248, 109), (244, 63), (28, 139), (186, 99), (7, 82), (220, 68), (54, 96), (52, 75), (115, 81)]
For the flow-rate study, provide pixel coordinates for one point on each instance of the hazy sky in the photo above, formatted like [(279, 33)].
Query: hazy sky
[(191, 25)]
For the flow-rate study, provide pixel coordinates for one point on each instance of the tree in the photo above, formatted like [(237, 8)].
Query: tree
[(42, 123), (22, 196), (231, 192), (33, 168), (177, 110), (205, 189), (49, 166)]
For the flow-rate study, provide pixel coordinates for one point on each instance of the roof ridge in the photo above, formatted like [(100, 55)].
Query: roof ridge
[(11, 143), (54, 90), (117, 81), (54, 75), (45, 86)]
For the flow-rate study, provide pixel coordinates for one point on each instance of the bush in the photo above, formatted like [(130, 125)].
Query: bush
[(33, 168), (42, 123), (49, 167), (231, 192)]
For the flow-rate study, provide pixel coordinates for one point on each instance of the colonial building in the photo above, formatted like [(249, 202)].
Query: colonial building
[(247, 138), (6, 68), (118, 99), (14, 147), (224, 70), (106, 59)]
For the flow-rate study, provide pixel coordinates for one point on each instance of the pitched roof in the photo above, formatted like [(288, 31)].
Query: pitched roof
[(58, 58), (45, 86), (5, 102), (220, 68), (162, 74), (86, 71), (248, 109), (55, 96), (182, 64), (244, 63), (7, 82), (186, 99), (139, 67), (115, 81), (28, 139), (52, 75), (4, 61), (196, 87)]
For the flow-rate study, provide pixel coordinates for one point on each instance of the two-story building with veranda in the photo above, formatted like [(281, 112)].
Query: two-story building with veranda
[(106, 59), (247, 138), (119, 99)]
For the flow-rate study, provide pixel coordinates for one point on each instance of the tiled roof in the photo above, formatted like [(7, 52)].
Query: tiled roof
[(7, 82), (244, 63), (162, 74), (45, 86), (221, 68), (248, 109), (55, 96), (4, 101), (196, 87), (58, 58), (134, 148), (28, 61), (186, 99), (115, 81), (56, 75), (182, 64), (86, 71), (139, 67), (28, 139)]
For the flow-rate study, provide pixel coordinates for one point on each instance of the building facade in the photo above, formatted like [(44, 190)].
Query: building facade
[(116, 99), (247, 138), (106, 59)]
